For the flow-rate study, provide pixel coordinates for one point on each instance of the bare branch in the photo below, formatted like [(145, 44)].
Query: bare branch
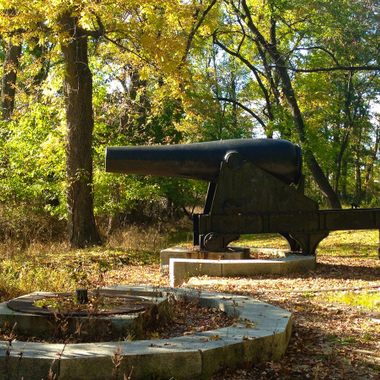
[(243, 38), (319, 48), (245, 108), (125, 48), (194, 30), (334, 68), (253, 68), (273, 37), (234, 53)]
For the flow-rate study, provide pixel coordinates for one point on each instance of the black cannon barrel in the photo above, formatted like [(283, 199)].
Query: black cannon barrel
[(202, 160)]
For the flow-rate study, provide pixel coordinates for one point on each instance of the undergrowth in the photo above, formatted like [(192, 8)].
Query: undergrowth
[(53, 266)]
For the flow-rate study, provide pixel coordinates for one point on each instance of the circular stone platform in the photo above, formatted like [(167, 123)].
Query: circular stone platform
[(261, 333), (130, 317), (126, 304)]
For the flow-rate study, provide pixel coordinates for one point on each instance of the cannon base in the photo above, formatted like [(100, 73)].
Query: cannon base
[(181, 263), (181, 270), (231, 253)]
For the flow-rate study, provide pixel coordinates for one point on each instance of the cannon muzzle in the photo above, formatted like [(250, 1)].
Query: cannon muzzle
[(202, 161)]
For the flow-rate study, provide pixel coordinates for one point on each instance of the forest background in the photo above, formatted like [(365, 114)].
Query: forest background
[(81, 75)]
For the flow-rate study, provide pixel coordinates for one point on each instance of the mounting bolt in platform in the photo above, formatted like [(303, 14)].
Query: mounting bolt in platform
[(82, 296)]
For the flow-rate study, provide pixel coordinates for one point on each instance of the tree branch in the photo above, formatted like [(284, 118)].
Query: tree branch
[(320, 48), (233, 53), (254, 70), (242, 106), (333, 68), (125, 48), (194, 30)]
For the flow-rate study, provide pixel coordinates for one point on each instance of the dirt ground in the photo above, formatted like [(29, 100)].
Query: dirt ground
[(330, 340)]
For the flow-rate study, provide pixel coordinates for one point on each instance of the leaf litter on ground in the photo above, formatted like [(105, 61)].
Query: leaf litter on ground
[(330, 339)]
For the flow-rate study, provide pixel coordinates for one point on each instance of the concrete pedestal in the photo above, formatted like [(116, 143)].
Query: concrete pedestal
[(180, 270), (233, 253)]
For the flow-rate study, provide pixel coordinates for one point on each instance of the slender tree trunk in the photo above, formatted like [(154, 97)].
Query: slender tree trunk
[(347, 129), (8, 84), (358, 180), (233, 94), (371, 162), (344, 179), (80, 123), (339, 159), (358, 196)]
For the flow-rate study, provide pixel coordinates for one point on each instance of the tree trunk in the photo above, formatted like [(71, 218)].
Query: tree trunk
[(339, 158), (288, 91), (344, 178), (80, 123), (8, 84), (358, 162), (358, 180), (371, 162), (233, 95), (310, 159)]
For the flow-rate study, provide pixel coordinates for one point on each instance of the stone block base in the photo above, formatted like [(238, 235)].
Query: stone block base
[(180, 270), (233, 253)]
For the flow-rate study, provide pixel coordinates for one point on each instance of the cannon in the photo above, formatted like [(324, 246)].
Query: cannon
[(255, 186), (202, 160)]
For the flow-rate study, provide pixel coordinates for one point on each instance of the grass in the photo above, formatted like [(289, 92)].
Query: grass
[(365, 300), (359, 243), (262, 241)]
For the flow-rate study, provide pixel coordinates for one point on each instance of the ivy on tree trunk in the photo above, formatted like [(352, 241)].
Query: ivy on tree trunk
[(80, 123)]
